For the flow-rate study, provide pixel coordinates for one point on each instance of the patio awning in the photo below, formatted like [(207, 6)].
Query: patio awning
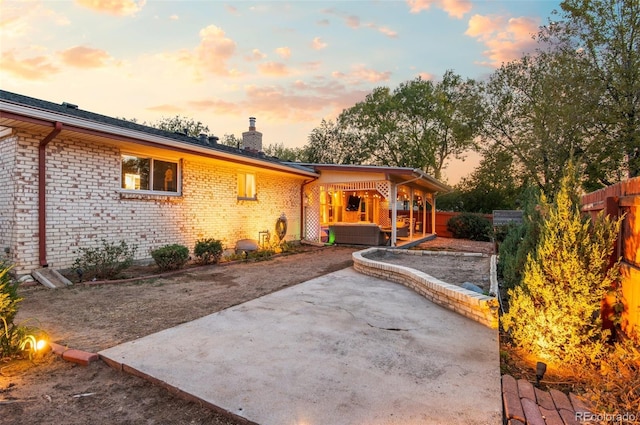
[(411, 177)]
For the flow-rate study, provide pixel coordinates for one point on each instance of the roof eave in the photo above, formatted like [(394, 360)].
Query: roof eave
[(74, 123)]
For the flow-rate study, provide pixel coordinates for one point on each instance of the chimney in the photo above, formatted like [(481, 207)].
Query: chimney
[(252, 139), (213, 140), (203, 139)]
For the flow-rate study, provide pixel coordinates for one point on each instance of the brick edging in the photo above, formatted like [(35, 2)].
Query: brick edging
[(71, 355), (478, 307)]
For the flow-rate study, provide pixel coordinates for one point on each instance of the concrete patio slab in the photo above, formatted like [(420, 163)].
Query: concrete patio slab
[(340, 349)]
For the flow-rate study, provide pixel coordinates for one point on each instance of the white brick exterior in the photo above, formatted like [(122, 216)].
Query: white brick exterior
[(85, 203)]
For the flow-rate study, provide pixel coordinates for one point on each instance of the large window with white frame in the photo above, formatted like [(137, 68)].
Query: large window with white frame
[(150, 174), (247, 186)]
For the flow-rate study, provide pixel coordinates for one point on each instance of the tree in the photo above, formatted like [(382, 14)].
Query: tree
[(231, 140), (420, 124), (494, 185), (179, 124), (555, 312), (607, 34), (283, 153), (539, 109)]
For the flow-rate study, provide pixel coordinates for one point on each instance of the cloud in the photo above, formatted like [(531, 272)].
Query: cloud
[(323, 23), (211, 55), (506, 39), (276, 69), (166, 109), (256, 55), (455, 8), (114, 7), (84, 57), (383, 30), (19, 18), (353, 22), (217, 106), (426, 76), (174, 17), (359, 74), (318, 44), (283, 52), (34, 68), (232, 9)]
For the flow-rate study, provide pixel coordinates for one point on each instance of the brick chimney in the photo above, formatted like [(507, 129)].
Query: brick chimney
[(252, 139)]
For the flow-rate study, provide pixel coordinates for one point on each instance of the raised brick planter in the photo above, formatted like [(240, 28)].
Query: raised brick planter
[(479, 307)]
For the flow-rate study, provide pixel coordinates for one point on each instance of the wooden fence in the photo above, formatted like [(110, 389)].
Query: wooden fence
[(616, 200)]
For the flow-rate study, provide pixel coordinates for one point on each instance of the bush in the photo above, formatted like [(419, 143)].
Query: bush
[(470, 226), (13, 338), (208, 251), (171, 257), (106, 261), (555, 311), (9, 300)]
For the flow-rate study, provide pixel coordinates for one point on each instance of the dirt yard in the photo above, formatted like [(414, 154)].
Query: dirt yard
[(94, 317)]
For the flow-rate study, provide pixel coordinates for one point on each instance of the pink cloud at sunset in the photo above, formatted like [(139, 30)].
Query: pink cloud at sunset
[(505, 39), (84, 57), (114, 7), (34, 68), (274, 69), (283, 52), (318, 44), (359, 73), (455, 8), (212, 54)]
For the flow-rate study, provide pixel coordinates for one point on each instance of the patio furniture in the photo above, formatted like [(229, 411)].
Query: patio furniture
[(358, 234)]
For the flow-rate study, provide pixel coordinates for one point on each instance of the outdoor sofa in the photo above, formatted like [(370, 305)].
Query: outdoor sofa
[(358, 234)]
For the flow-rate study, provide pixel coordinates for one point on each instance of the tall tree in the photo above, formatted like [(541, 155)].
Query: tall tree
[(179, 124), (607, 35), (420, 124)]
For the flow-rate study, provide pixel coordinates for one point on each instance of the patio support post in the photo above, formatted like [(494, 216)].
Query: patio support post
[(394, 212), (411, 214), (433, 214)]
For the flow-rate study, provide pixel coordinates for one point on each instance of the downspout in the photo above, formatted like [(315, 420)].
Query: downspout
[(42, 198)]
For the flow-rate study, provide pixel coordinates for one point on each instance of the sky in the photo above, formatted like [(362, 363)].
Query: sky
[(290, 64)]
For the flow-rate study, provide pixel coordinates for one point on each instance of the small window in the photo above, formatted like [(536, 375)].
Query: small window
[(246, 186), (149, 174)]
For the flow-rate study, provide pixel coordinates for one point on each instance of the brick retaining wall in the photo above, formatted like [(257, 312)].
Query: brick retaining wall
[(479, 307)]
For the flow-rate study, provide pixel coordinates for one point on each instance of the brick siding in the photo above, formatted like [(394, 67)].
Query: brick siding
[(85, 203)]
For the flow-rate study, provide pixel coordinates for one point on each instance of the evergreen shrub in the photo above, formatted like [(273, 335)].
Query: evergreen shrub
[(105, 261), (555, 312), (470, 226), (171, 257), (208, 251)]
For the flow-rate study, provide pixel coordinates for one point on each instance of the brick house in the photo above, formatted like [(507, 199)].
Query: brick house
[(70, 178)]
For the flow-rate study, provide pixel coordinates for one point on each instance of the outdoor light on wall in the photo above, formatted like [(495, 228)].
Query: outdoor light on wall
[(541, 368)]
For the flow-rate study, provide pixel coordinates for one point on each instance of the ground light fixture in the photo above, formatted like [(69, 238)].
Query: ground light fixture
[(541, 368), (33, 345)]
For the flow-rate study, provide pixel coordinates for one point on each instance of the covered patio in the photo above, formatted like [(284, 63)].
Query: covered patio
[(355, 204)]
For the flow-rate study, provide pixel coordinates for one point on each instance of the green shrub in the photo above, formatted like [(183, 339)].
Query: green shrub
[(9, 300), (520, 241), (171, 257), (470, 226), (208, 251), (555, 311), (106, 261)]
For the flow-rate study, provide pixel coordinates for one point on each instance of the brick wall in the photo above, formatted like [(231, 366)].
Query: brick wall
[(7, 189), (85, 204), (478, 307)]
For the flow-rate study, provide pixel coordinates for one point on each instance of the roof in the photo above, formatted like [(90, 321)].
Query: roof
[(16, 109), (412, 177)]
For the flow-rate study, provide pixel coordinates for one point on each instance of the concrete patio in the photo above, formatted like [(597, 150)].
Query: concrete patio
[(340, 349)]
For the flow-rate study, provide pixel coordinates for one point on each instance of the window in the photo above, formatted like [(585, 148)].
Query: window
[(247, 186), (150, 174)]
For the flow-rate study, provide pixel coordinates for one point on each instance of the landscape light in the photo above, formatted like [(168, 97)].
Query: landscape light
[(541, 368)]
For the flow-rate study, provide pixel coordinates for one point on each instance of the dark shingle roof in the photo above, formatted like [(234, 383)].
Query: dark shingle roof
[(73, 111)]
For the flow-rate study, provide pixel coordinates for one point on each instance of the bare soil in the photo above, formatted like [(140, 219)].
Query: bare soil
[(94, 317)]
